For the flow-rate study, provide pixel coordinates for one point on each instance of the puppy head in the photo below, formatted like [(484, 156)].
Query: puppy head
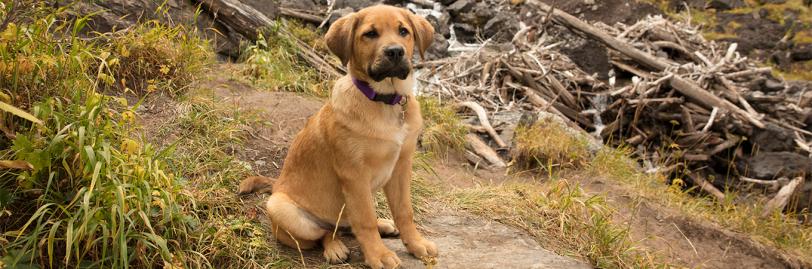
[(379, 42)]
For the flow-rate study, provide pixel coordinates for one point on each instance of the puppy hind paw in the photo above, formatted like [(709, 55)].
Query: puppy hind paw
[(387, 228), (335, 251)]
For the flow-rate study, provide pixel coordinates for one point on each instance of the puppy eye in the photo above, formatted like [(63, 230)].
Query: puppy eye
[(403, 31), (371, 34)]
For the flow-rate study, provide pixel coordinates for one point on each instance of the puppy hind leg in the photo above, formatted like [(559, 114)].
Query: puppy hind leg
[(290, 224), (387, 228)]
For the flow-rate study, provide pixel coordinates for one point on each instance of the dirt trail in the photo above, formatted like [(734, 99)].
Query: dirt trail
[(470, 241), (466, 240)]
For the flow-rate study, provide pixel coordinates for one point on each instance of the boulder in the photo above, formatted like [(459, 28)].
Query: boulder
[(725, 4), (773, 165)]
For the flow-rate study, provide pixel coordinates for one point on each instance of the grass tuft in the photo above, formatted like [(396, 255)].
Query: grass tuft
[(546, 143), (442, 129), (272, 63), (152, 57)]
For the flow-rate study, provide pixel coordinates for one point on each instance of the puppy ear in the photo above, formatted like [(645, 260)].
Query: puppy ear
[(339, 37), (423, 33)]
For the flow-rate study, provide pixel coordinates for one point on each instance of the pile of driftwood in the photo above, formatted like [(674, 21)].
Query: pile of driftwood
[(691, 108)]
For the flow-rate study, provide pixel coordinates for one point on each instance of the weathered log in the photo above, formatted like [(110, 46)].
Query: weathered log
[(301, 15), (238, 16)]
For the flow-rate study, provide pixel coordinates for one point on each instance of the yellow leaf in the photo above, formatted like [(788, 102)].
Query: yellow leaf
[(7, 164), (128, 116), (19, 113), (129, 146)]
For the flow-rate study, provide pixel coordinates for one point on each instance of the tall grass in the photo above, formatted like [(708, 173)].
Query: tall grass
[(93, 195)]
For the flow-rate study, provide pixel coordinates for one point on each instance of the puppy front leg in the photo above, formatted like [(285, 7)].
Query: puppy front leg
[(364, 223), (398, 196)]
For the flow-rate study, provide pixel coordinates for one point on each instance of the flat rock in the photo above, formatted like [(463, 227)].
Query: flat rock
[(470, 242)]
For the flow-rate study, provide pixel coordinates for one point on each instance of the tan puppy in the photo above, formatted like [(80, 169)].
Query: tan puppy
[(357, 144)]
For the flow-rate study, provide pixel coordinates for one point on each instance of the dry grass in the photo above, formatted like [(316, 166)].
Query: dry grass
[(782, 231), (153, 57), (562, 217), (547, 144), (442, 129)]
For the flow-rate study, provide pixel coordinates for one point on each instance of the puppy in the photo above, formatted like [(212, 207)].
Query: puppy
[(363, 139)]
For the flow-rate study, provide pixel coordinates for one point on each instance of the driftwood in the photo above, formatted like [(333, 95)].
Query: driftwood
[(478, 146), (483, 120), (238, 16), (780, 200), (681, 102)]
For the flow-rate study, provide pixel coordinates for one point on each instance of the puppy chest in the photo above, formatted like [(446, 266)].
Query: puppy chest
[(383, 166)]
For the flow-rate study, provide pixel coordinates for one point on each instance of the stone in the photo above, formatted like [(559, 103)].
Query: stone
[(460, 6), (465, 32), (337, 14), (354, 4), (440, 21), (774, 138), (477, 16), (501, 27), (438, 49), (470, 242), (801, 53), (772, 85), (773, 165), (725, 4)]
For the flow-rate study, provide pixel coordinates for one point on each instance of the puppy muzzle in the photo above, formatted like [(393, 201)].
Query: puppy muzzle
[(384, 68)]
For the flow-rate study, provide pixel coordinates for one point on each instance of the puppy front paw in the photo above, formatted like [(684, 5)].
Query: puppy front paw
[(384, 259), (421, 248)]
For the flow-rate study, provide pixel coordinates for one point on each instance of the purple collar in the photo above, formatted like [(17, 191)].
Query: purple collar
[(389, 99)]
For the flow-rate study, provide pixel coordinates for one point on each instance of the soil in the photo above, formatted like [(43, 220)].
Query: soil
[(681, 240), (469, 241)]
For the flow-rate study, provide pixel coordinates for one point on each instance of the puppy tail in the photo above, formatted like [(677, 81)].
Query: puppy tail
[(256, 184)]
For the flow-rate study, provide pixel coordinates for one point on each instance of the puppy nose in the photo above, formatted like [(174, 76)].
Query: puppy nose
[(394, 52)]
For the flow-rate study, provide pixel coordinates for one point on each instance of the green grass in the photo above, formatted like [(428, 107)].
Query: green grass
[(97, 195)]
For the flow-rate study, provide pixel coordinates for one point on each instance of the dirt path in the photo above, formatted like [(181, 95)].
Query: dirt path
[(468, 240)]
